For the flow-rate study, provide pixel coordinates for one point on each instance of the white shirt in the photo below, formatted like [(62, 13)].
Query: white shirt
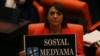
[(12, 4)]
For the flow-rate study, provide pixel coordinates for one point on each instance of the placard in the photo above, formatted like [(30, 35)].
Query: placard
[(50, 45)]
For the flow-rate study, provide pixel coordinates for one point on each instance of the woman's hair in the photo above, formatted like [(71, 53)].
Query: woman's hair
[(60, 9)]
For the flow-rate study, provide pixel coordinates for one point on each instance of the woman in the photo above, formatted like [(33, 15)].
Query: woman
[(55, 23)]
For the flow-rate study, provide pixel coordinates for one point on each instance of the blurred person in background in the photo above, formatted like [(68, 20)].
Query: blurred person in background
[(28, 11)]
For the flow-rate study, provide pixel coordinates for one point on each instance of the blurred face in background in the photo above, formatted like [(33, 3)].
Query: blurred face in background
[(54, 17)]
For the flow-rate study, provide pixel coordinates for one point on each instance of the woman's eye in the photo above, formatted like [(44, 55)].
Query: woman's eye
[(59, 13), (51, 13)]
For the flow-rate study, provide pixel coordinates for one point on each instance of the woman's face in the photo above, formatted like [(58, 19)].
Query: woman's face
[(54, 16)]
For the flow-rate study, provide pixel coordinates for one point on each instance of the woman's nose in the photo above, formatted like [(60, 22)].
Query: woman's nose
[(55, 15)]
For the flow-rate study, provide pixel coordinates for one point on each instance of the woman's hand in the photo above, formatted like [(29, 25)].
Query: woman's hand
[(22, 53)]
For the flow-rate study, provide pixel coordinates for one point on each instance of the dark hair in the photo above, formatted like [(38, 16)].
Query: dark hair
[(59, 8)]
